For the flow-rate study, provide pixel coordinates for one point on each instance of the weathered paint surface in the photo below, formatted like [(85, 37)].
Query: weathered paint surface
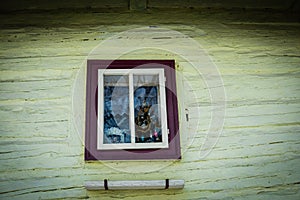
[(140, 4), (256, 157)]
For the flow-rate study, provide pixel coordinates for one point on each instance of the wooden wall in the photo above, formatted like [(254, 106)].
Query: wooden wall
[(248, 4), (108, 4), (256, 156)]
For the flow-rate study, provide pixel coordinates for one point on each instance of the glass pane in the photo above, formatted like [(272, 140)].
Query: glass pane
[(147, 109), (116, 109)]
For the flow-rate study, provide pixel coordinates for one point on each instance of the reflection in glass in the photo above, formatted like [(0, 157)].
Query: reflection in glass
[(147, 109), (116, 109)]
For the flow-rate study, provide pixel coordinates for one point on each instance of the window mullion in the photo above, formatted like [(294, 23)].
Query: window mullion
[(131, 108)]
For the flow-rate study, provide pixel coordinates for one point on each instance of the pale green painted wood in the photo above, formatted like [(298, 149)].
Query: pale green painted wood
[(256, 157)]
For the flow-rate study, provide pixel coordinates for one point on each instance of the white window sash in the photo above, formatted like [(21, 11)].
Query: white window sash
[(161, 102)]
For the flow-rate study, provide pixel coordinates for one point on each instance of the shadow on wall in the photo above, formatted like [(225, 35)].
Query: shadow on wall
[(16, 5)]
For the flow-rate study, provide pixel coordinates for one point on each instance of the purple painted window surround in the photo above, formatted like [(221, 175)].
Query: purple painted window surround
[(91, 151)]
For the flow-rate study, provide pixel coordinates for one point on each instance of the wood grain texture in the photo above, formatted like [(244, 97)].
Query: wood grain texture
[(256, 157)]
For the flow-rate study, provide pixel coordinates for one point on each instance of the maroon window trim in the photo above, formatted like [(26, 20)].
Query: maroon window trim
[(91, 151)]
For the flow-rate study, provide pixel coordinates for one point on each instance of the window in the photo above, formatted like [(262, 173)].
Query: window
[(131, 110)]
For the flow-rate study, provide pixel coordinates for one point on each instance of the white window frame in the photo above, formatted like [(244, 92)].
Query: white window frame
[(162, 102)]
